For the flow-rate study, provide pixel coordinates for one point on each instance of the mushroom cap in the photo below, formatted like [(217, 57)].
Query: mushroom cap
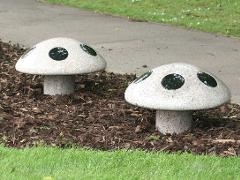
[(60, 56), (177, 86)]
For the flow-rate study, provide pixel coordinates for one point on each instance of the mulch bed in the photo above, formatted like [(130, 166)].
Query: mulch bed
[(96, 116)]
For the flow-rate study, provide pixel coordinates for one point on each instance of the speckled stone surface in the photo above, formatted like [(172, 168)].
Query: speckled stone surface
[(60, 84), (190, 92), (173, 121), (73, 58)]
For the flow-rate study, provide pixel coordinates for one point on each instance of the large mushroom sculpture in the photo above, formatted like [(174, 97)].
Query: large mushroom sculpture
[(59, 59), (175, 90)]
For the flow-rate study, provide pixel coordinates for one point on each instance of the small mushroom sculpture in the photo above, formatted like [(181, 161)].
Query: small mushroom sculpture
[(59, 59), (175, 90)]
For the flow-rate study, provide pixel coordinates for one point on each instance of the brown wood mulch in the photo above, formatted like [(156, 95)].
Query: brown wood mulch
[(97, 116)]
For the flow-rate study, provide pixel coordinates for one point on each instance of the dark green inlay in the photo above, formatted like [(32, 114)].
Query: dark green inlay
[(207, 79), (58, 53), (173, 81), (143, 77), (88, 49)]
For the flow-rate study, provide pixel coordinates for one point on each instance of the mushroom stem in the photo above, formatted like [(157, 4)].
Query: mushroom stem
[(58, 84), (173, 121)]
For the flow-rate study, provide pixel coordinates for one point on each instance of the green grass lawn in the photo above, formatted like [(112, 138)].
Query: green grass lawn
[(219, 16), (53, 163)]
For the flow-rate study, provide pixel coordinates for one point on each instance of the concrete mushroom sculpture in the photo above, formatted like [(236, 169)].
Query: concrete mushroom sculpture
[(175, 90), (59, 59)]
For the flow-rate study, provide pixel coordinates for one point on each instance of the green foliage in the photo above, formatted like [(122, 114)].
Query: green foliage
[(218, 16), (54, 163)]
